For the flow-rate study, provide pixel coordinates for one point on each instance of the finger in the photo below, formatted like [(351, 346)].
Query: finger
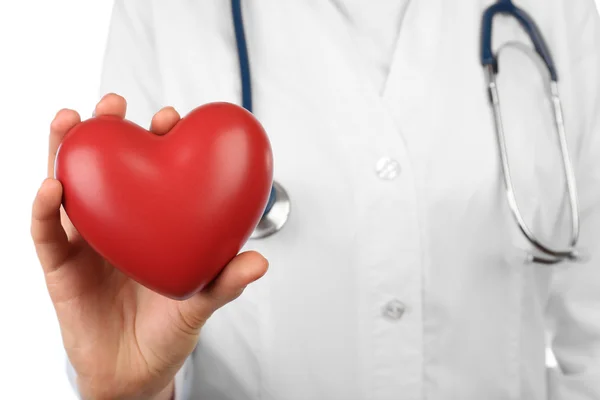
[(50, 240), (63, 121), (111, 104), (164, 120), (240, 272)]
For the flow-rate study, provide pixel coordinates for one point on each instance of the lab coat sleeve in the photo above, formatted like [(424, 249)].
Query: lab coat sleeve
[(130, 69), (574, 304)]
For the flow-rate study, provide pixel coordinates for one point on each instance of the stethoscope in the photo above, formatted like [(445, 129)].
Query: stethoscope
[(548, 254), (278, 206)]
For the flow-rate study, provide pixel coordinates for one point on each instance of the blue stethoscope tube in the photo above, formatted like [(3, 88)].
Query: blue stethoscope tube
[(272, 219), (506, 7)]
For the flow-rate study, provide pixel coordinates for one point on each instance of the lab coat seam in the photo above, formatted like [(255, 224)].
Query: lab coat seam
[(396, 50), (420, 221)]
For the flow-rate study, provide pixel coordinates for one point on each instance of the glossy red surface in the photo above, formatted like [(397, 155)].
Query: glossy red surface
[(169, 211)]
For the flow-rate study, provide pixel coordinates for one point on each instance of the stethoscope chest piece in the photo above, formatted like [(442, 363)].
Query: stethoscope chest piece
[(276, 215)]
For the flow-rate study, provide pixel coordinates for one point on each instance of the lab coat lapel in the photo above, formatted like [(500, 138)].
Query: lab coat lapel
[(353, 74), (409, 88), (347, 85), (405, 98), (352, 61), (328, 74)]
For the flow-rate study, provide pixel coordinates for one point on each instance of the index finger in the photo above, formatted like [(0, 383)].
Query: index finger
[(64, 120)]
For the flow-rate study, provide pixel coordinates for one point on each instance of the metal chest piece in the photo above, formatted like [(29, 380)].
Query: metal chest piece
[(276, 213)]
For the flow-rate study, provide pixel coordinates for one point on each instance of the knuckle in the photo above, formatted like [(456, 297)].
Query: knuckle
[(189, 324)]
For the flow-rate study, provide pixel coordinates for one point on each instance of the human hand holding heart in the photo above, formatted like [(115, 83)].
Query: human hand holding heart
[(108, 321), (168, 210)]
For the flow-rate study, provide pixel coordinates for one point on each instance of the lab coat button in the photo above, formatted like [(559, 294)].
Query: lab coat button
[(394, 310), (387, 168)]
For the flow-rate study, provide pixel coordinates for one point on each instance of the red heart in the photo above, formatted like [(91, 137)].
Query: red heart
[(169, 211)]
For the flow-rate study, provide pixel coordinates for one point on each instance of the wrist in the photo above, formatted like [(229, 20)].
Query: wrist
[(168, 393)]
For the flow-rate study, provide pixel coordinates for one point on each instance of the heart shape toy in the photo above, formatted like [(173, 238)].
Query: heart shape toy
[(168, 211)]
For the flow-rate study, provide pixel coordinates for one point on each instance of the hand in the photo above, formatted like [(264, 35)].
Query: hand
[(123, 340)]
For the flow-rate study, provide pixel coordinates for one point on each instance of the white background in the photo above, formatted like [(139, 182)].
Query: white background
[(50, 58)]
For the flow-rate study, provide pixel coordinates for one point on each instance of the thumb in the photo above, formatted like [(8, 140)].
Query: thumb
[(244, 269)]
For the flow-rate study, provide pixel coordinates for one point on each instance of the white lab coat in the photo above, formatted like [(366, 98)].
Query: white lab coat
[(401, 273)]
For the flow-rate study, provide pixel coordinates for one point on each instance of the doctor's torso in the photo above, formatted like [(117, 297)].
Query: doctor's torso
[(400, 273)]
